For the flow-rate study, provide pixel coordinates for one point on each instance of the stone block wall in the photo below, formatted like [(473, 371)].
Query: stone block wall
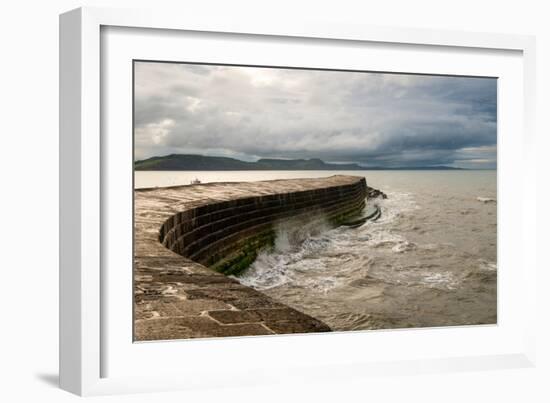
[(226, 235), (222, 225)]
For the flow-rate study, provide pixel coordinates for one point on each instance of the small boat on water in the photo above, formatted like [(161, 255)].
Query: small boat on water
[(195, 181)]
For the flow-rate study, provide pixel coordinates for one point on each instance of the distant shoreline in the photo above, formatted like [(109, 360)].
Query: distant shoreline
[(318, 170), (191, 162)]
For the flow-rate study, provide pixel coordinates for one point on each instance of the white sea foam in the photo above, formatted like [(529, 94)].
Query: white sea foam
[(404, 246), (311, 256), (295, 251), (439, 280), (486, 265), (486, 199)]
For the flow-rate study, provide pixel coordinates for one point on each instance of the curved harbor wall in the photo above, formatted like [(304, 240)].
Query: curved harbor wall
[(227, 235), (179, 231)]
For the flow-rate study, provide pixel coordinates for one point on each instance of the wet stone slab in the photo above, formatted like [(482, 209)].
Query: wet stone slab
[(177, 298)]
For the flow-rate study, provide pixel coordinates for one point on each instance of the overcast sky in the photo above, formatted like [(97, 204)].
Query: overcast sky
[(373, 119)]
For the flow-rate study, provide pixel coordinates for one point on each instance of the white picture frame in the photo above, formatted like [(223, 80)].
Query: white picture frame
[(87, 347)]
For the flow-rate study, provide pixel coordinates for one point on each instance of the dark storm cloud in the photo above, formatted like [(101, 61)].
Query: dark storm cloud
[(369, 118)]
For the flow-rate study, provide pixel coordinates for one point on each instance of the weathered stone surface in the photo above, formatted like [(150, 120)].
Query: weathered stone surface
[(304, 325), (193, 327), (285, 314), (177, 297), (182, 308)]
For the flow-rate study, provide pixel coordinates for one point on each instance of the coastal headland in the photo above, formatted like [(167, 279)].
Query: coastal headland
[(188, 239)]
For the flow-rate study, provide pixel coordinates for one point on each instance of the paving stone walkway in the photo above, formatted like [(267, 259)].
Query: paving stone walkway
[(177, 298)]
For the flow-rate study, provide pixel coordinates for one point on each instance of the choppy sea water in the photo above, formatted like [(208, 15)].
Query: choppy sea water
[(429, 260)]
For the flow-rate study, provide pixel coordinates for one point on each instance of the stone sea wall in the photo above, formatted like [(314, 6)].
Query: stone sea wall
[(187, 236), (226, 235)]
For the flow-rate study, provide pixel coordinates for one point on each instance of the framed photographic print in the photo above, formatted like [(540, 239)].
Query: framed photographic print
[(236, 199)]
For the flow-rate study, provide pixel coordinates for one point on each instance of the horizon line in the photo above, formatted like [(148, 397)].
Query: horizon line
[(362, 167)]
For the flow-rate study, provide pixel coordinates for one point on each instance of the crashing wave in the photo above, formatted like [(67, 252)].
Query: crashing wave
[(318, 258)]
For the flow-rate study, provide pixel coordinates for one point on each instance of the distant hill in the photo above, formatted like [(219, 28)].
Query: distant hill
[(432, 168), (188, 162), (191, 162)]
